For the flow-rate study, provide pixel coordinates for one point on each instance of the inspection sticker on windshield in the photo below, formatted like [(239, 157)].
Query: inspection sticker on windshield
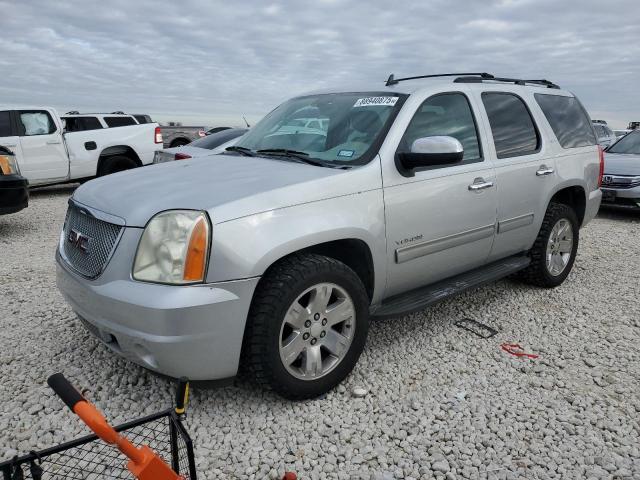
[(346, 153), (376, 102)]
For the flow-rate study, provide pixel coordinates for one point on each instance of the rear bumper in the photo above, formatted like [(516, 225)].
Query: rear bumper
[(14, 193), (191, 331), (592, 206)]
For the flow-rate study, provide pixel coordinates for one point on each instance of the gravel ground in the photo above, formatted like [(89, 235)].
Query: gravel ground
[(441, 402)]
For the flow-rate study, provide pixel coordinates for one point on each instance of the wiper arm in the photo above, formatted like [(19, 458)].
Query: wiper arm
[(283, 152), (241, 150)]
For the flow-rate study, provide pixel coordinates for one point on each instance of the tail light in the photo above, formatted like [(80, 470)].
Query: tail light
[(202, 133), (601, 173), (181, 156), (158, 135)]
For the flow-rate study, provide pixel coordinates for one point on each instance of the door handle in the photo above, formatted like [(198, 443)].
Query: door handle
[(53, 142), (480, 184), (544, 170)]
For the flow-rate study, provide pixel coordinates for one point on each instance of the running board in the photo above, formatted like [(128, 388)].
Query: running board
[(422, 297)]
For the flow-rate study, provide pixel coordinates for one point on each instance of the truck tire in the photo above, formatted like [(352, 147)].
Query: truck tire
[(554, 250), (179, 142), (117, 163), (307, 326)]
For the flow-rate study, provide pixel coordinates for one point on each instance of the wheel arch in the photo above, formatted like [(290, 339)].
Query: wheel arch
[(118, 150), (573, 196), (178, 141)]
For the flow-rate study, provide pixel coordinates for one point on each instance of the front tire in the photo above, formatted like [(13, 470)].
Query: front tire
[(555, 248), (307, 327)]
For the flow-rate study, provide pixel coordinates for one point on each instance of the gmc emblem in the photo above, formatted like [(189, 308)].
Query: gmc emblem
[(78, 240)]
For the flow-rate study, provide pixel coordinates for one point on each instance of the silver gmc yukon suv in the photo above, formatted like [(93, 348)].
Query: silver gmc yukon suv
[(274, 255)]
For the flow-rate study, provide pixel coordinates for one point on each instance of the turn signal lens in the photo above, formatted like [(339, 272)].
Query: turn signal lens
[(8, 165), (196, 260)]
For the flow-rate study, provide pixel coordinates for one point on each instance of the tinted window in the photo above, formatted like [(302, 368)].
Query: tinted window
[(143, 118), (450, 115), (119, 121), (628, 144), (80, 124), (5, 124), (514, 132), (568, 120), (216, 139), (36, 123)]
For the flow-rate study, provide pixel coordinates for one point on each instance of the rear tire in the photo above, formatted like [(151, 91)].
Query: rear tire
[(115, 164), (307, 326), (555, 248), (179, 143)]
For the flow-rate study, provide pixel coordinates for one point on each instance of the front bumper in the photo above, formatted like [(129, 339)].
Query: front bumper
[(621, 197), (192, 331), (14, 193)]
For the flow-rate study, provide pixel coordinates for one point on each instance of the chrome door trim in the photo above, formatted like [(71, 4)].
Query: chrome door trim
[(515, 222), (410, 252)]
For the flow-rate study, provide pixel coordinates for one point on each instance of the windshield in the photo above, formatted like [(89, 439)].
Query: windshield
[(628, 144), (340, 128)]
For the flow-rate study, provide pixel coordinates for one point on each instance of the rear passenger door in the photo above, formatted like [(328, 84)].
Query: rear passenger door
[(524, 167)]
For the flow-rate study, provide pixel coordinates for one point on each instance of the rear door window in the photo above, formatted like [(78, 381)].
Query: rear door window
[(5, 124), (119, 121), (514, 131), (36, 123), (568, 119), (81, 124)]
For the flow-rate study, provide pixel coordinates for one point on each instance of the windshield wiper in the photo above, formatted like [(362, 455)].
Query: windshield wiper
[(283, 152), (241, 150)]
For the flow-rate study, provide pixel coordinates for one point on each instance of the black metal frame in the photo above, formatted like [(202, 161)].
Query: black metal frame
[(474, 78), (176, 430)]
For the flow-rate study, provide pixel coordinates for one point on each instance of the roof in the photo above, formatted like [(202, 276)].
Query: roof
[(413, 85)]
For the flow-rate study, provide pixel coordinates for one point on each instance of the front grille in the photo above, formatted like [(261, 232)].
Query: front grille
[(88, 242), (620, 181)]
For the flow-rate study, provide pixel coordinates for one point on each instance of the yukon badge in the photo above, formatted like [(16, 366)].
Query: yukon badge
[(79, 240)]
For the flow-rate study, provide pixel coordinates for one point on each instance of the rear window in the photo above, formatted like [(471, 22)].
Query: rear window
[(514, 132), (5, 124), (81, 124), (216, 139), (143, 118), (568, 120), (119, 121)]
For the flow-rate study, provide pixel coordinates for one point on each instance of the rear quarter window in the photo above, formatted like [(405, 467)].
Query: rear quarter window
[(568, 119), (119, 121)]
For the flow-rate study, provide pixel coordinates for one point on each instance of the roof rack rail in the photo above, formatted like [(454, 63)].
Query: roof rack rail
[(515, 81), (394, 81), (73, 112)]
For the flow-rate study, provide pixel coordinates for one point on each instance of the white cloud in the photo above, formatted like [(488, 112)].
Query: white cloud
[(204, 59)]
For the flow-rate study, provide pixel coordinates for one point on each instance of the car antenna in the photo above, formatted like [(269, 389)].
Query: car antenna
[(245, 121)]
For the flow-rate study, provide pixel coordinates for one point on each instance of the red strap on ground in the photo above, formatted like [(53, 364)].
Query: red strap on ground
[(290, 476), (516, 350)]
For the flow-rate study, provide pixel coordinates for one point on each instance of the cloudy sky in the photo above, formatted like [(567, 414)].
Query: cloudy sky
[(205, 61)]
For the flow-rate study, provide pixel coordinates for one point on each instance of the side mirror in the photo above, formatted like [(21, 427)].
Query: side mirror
[(431, 151)]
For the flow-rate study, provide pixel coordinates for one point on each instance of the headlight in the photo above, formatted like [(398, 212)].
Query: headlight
[(9, 165), (174, 248)]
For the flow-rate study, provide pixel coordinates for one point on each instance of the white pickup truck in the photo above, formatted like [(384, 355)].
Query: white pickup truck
[(53, 149)]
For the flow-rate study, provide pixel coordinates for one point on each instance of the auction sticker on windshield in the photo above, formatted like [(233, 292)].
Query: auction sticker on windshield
[(376, 102)]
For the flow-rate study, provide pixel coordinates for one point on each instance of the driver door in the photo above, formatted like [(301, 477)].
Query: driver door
[(438, 223)]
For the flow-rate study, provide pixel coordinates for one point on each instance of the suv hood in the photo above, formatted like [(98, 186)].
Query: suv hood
[(621, 164), (227, 186)]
